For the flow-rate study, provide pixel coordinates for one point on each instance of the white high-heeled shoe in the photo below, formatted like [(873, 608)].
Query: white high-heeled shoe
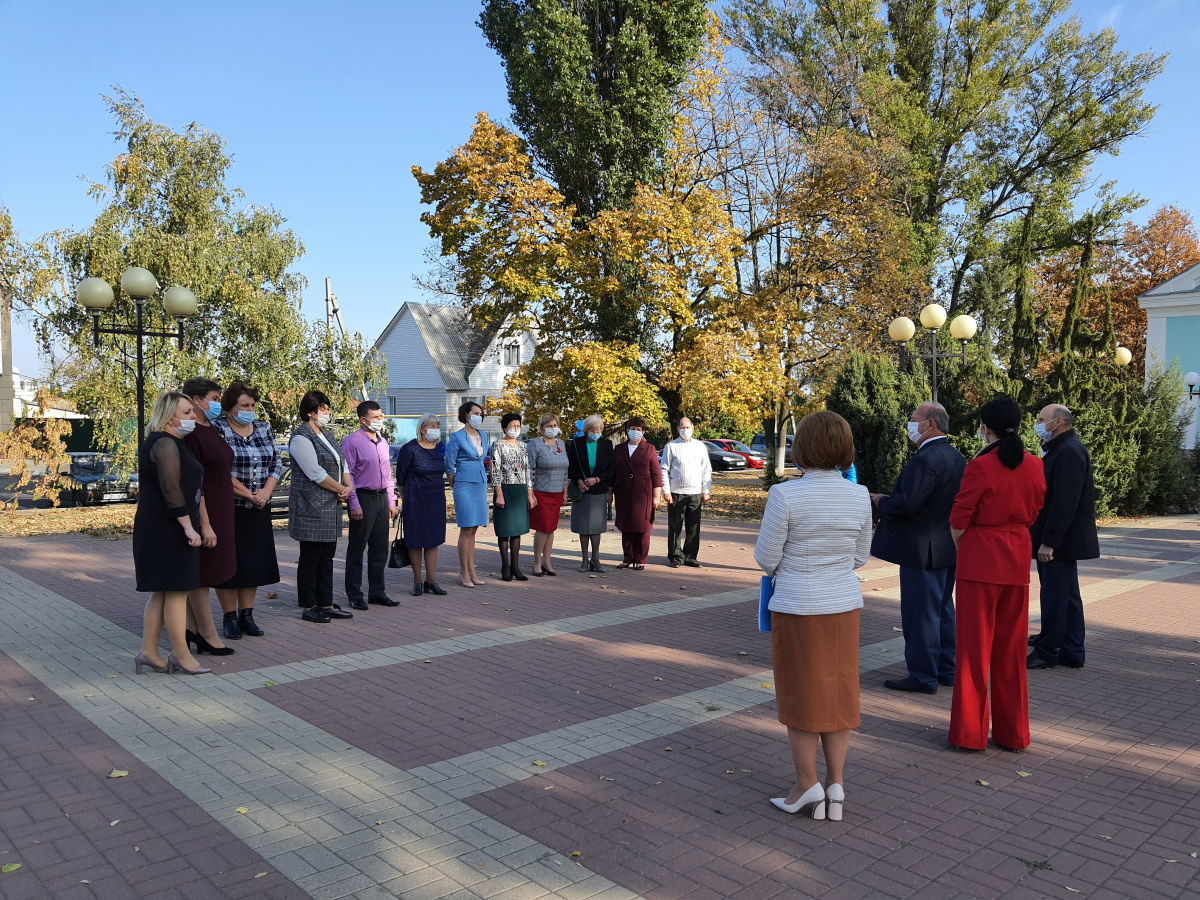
[(813, 799), (835, 796)]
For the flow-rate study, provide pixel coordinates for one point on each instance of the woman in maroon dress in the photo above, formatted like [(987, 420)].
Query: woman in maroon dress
[(218, 560), (637, 492)]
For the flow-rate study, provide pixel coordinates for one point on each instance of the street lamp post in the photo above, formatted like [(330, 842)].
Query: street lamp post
[(1192, 381), (1122, 357), (140, 284), (933, 317)]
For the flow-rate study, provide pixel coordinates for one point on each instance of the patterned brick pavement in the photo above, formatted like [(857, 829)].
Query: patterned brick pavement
[(396, 754)]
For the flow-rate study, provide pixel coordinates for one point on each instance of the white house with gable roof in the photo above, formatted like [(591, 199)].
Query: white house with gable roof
[(1173, 330), (437, 360)]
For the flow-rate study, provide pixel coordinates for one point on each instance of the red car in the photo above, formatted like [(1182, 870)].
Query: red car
[(754, 459)]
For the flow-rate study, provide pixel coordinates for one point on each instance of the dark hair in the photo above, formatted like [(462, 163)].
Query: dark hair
[(464, 411), (635, 422), (234, 392), (823, 441), (199, 387), (311, 402), (366, 408), (1003, 416), (509, 417)]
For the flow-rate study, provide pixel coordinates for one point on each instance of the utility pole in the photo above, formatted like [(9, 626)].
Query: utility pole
[(7, 386), (332, 312)]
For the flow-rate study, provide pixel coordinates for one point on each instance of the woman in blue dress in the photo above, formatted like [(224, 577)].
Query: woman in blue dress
[(465, 454), (420, 468)]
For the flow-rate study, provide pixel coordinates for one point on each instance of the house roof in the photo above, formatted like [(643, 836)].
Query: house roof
[(454, 342), (1166, 293)]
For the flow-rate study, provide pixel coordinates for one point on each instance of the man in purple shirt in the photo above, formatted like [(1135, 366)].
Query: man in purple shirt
[(372, 506)]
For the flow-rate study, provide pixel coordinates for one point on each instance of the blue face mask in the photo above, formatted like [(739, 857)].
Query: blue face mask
[(245, 416), (593, 437), (212, 410)]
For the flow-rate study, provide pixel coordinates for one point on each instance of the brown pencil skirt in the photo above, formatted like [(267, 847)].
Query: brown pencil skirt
[(815, 659)]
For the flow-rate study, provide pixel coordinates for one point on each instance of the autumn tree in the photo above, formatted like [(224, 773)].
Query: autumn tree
[(165, 205)]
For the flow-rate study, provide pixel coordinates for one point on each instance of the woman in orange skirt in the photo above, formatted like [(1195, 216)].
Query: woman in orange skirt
[(816, 531), (548, 472), (999, 498)]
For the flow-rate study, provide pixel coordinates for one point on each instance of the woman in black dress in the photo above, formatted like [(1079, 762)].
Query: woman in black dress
[(166, 533), (420, 467)]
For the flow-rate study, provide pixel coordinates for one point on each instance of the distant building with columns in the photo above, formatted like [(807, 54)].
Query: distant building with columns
[(1173, 331)]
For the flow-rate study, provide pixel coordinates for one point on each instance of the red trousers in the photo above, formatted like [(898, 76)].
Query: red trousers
[(635, 546), (991, 630)]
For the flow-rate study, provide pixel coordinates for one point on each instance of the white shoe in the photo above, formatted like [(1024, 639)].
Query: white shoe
[(813, 799), (835, 794)]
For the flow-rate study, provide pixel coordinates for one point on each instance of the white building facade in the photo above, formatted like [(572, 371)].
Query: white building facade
[(1173, 331)]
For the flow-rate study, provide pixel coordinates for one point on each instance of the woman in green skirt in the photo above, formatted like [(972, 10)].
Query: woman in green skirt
[(514, 495)]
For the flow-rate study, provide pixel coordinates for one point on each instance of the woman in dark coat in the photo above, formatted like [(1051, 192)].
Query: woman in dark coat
[(166, 533), (218, 558), (637, 493), (420, 488), (590, 470)]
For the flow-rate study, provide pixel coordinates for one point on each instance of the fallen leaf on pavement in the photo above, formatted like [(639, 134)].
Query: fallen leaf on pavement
[(576, 854), (743, 653), (380, 822), (110, 676), (901, 630), (981, 781), (656, 678), (113, 822), (1073, 890), (1023, 774), (669, 750), (729, 771), (9, 867), (242, 809), (767, 684), (270, 684), (539, 764), (117, 773), (271, 597), (260, 874)]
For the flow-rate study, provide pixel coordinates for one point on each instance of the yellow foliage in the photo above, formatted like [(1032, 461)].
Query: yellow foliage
[(27, 446)]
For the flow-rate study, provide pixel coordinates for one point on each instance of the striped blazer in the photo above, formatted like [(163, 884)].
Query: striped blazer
[(816, 531)]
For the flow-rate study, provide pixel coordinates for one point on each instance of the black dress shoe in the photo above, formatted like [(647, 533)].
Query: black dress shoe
[(229, 626), (247, 624), (336, 612), (1033, 639), (674, 564), (432, 587), (946, 682), (358, 604), (385, 600), (1033, 661), (418, 589), (692, 563), (313, 614), (1070, 664), (907, 684)]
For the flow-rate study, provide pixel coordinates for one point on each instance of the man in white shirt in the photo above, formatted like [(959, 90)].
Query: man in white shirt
[(687, 486)]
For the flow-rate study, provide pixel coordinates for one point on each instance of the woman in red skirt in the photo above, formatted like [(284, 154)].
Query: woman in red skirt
[(1001, 493), (548, 474)]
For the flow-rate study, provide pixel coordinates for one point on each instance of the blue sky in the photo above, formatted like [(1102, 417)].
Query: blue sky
[(326, 107)]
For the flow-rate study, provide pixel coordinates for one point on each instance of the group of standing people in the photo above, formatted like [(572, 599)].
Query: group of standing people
[(963, 534)]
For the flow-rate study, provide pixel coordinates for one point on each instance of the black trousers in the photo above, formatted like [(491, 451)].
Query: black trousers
[(314, 574), (683, 520), (927, 620), (1061, 640), (369, 533)]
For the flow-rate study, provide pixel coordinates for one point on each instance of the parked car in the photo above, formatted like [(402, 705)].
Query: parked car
[(94, 478), (758, 444), (754, 459), (724, 461)]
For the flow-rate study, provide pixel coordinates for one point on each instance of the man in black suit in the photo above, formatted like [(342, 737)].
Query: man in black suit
[(914, 533), (1063, 534)]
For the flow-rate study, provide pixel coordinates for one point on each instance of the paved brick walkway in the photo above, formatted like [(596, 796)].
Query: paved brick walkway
[(576, 737)]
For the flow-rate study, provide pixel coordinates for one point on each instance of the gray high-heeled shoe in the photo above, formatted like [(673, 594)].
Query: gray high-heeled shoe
[(143, 660), (173, 665)]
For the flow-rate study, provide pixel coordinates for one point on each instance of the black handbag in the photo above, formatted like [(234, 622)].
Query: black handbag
[(398, 556)]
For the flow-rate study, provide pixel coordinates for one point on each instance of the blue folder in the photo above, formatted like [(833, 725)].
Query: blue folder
[(766, 587)]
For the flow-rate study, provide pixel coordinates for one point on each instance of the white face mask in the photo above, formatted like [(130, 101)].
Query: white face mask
[(635, 436), (475, 421), (914, 431), (685, 433), (323, 419), (1044, 432), (513, 432), (551, 431), (185, 426), (375, 425), (982, 434), (432, 434)]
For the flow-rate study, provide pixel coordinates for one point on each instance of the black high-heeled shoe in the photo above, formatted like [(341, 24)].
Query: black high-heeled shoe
[(203, 646)]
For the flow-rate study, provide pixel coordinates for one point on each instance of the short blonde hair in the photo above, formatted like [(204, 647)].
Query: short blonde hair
[(823, 441), (592, 421), (428, 421), (546, 420), (164, 410)]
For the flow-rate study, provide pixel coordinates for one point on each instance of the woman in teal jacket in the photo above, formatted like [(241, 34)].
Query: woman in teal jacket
[(466, 452)]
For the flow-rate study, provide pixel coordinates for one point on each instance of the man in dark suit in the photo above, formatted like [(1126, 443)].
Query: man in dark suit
[(914, 533), (1064, 533)]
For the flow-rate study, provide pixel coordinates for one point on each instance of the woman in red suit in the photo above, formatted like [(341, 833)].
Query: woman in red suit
[(637, 492), (1001, 493)]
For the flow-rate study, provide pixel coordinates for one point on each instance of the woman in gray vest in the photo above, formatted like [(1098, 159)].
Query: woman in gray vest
[(320, 484)]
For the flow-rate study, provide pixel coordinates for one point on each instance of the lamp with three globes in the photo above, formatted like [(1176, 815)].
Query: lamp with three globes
[(933, 317)]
